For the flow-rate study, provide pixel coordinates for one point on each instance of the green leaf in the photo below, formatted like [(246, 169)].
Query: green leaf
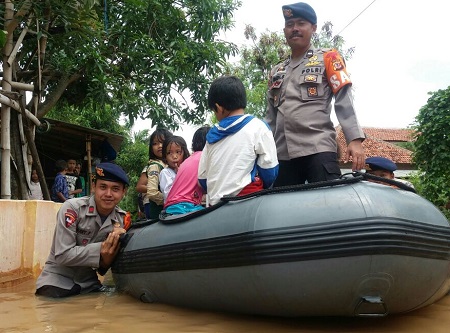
[(3, 37)]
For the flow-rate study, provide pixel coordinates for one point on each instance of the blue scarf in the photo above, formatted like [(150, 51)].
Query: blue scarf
[(226, 127)]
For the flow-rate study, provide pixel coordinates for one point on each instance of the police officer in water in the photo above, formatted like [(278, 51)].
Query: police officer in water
[(300, 93), (86, 238), (384, 168)]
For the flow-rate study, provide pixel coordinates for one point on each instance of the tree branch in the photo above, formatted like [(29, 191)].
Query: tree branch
[(56, 94)]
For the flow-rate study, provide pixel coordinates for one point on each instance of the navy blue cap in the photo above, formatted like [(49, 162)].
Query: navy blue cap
[(380, 163), (111, 172), (299, 9)]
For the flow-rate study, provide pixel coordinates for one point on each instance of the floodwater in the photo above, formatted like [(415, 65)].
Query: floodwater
[(22, 311)]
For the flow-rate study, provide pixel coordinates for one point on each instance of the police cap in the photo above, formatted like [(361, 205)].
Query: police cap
[(111, 172), (380, 163), (299, 9)]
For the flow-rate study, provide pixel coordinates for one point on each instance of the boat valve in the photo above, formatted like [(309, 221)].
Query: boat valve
[(371, 306)]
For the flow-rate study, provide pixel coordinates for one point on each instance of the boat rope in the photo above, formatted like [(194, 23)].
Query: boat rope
[(348, 178), (368, 176), (300, 187)]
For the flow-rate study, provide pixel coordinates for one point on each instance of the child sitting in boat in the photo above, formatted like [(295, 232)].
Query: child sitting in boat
[(148, 183), (175, 151), (240, 155), (186, 194)]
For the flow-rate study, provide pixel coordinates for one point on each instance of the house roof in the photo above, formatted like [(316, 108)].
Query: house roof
[(63, 141), (390, 134), (376, 144)]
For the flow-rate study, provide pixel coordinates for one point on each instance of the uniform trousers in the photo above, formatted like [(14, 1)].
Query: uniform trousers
[(312, 168)]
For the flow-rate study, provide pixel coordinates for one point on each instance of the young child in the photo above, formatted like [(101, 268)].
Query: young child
[(35, 187), (148, 183), (240, 155), (60, 191), (73, 181), (82, 180), (175, 151), (186, 194)]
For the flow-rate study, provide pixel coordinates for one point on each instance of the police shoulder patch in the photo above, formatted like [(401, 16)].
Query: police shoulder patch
[(70, 217)]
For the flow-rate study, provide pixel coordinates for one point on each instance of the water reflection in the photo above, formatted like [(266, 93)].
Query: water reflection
[(21, 311)]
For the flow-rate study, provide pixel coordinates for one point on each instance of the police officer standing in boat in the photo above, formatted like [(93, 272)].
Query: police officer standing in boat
[(86, 238), (299, 105)]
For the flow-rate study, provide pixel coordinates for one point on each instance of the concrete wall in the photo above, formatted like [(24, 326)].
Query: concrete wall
[(26, 232)]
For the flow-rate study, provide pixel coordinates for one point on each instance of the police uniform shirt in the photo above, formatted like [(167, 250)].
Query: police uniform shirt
[(299, 105), (75, 251)]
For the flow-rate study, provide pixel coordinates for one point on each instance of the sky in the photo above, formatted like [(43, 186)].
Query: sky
[(401, 51)]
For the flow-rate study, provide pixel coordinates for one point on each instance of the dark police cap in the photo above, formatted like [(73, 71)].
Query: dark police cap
[(300, 9), (111, 172), (380, 163)]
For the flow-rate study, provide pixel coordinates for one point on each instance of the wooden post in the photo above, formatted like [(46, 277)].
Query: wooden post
[(89, 162), (35, 155)]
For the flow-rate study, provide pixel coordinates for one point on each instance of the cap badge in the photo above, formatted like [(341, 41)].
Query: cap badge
[(100, 172), (287, 13)]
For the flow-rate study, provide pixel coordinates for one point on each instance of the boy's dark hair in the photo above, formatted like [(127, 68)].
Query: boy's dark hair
[(228, 92), (60, 165), (161, 134), (199, 139), (178, 140)]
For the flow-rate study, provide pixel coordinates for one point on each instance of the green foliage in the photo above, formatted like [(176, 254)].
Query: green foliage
[(325, 39), (406, 145), (3, 35), (148, 59), (132, 158), (257, 60), (432, 153), (104, 119)]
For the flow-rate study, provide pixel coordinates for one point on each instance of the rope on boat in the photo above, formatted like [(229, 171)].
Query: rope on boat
[(301, 187), (368, 176)]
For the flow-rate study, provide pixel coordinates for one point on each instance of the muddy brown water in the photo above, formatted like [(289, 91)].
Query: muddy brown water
[(22, 311)]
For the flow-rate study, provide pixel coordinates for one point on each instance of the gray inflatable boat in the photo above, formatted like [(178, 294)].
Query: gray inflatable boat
[(341, 248)]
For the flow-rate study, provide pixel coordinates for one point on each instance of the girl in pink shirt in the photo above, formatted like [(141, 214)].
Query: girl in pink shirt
[(186, 194)]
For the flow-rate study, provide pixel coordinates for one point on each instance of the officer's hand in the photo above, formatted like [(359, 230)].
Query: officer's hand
[(110, 248), (356, 152)]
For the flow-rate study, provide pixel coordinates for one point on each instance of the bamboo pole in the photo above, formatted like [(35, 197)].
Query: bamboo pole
[(13, 53), (5, 188), (7, 101), (20, 85), (35, 156)]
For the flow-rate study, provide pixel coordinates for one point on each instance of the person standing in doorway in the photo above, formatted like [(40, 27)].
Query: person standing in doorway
[(73, 181), (82, 180), (35, 187)]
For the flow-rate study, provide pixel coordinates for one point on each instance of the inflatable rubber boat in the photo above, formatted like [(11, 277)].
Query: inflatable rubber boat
[(342, 248)]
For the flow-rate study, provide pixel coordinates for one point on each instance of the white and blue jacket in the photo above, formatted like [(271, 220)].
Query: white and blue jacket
[(238, 149)]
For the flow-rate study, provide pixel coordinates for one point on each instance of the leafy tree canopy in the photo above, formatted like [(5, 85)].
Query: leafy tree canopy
[(432, 154), (139, 58)]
